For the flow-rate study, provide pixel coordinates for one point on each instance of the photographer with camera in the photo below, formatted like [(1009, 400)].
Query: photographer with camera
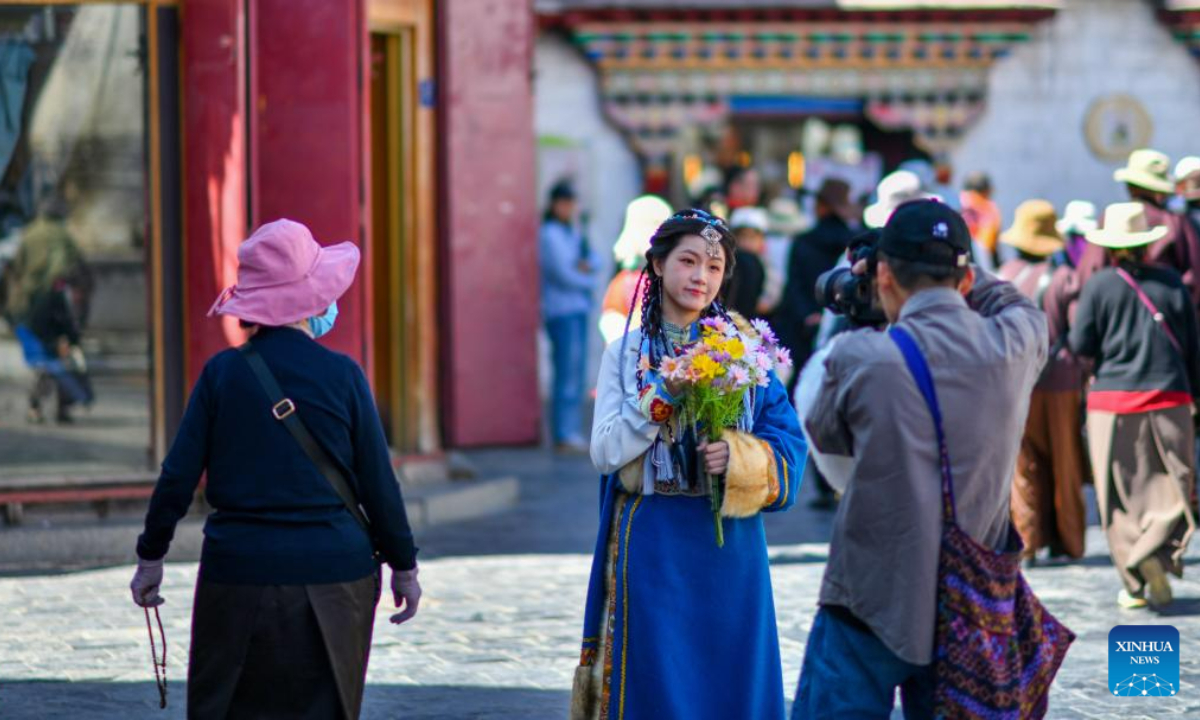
[(983, 345)]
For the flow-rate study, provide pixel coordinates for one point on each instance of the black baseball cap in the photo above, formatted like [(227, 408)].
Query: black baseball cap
[(927, 231), (562, 190)]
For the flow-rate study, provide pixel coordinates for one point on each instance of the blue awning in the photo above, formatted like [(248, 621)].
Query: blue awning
[(793, 105)]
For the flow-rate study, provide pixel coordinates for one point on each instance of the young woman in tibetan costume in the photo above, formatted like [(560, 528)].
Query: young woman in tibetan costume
[(676, 626)]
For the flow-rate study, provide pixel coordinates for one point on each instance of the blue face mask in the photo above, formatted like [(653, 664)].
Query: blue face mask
[(322, 324)]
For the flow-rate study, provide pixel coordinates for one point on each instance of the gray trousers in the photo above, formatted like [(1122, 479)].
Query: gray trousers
[(1144, 468)]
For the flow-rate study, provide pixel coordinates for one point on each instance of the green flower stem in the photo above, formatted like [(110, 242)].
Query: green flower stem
[(715, 483), (717, 493), (713, 411)]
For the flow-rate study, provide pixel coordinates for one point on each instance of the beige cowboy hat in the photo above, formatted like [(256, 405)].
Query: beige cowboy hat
[(1147, 169), (1033, 230), (1125, 226)]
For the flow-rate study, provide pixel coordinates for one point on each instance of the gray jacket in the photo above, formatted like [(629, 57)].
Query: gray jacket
[(985, 359)]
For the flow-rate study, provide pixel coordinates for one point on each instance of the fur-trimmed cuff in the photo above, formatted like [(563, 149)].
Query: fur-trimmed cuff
[(751, 481)]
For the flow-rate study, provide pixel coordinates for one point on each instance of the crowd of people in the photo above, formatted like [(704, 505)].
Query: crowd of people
[(1106, 368), (1053, 352)]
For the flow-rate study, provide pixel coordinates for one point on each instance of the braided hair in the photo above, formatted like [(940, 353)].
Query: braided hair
[(691, 221)]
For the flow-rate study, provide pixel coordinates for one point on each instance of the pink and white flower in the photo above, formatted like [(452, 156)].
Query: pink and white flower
[(671, 368), (783, 357), (764, 330), (739, 377)]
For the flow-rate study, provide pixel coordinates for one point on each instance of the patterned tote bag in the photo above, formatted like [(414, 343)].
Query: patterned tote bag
[(997, 649)]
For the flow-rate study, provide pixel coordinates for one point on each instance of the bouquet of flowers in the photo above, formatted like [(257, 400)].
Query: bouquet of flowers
[(719, 372)]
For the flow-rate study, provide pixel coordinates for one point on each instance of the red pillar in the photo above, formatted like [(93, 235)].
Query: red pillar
[(489, 223), (306, 148), (304, 134), (214, 179)]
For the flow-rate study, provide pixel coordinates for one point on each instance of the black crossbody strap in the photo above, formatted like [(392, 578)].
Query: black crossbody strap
[(284, 410)]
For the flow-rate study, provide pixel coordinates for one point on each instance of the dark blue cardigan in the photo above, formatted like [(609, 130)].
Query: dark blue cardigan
[(276, 519)]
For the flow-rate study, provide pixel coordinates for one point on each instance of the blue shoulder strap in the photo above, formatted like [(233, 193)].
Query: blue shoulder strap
[(924, 379)]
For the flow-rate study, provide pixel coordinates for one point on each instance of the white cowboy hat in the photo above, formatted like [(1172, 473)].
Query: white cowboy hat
[(893, 191), (1187, 177), (1078, 217), (786, 217), (750, 217), (643, 215), (1147, 169), (1125, 226)]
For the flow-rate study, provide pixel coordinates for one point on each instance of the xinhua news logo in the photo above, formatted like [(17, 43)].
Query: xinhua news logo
[(1143, 661)]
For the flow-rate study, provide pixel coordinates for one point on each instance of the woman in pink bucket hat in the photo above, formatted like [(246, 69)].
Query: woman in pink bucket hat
[(305, 502)]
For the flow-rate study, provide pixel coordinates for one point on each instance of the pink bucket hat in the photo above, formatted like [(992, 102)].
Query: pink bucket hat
[(285, 276)]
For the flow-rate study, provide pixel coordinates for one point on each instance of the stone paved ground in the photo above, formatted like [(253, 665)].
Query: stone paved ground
[(497, 636)]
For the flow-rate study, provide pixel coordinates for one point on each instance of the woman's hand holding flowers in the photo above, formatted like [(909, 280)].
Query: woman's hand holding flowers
[(715, 456), (719, 373)]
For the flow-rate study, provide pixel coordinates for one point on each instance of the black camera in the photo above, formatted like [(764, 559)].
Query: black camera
[(845, 293)]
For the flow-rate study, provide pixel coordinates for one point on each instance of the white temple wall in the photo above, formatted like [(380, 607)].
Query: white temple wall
[(1031, 138)]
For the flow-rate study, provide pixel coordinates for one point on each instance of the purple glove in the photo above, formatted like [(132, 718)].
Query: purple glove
[(146, 581), (405, 588)]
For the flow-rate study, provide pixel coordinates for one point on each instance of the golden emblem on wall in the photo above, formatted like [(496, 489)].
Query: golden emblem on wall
[(1116, 125)]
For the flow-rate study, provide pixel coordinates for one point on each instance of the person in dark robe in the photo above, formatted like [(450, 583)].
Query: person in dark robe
[(798, 317), (744, 292)]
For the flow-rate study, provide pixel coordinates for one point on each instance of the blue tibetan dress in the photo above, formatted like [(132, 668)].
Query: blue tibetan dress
[(676, 627)]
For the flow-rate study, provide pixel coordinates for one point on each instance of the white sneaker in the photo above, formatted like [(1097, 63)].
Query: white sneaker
[(1129, 601)]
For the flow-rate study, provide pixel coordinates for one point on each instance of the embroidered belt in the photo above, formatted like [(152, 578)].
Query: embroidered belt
[(672, 488)]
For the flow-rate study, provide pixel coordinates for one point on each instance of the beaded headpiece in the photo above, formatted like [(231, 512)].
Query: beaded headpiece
[(710, 233)]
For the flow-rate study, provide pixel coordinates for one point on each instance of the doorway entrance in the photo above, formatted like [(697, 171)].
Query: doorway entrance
[(393, 267)]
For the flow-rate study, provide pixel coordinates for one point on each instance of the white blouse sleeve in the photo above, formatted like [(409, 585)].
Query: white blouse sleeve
[(620, 432)]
